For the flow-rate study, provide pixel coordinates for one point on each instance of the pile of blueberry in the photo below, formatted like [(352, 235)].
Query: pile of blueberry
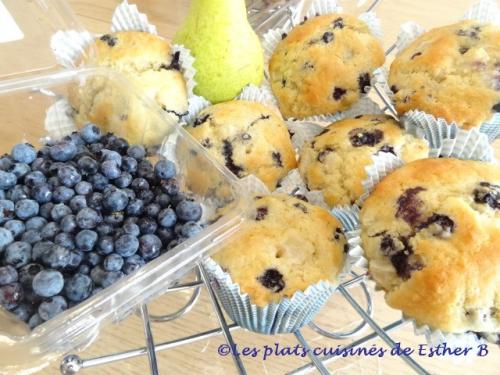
[(78, 215)]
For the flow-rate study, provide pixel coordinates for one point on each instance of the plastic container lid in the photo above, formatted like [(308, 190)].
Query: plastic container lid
[(26, 28)]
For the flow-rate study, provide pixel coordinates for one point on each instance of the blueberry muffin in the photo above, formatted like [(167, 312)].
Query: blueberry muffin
[(335, 161), (287, 246), (147, 61), (452, 72), (248, 138), (324, 65), (431, 233)]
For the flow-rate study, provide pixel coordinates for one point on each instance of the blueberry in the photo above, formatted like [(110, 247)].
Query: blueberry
[(94, 200), (97, 275), (130, 193), (6, 210), (36, 222), (48, 283), (92, 258), (56, 257), (78, 203), (39, 249), (41, 165), (99, 182), (20, 170), (152, 210), (8, 275), (110, 155), (85, 240), (96, 148), (50, 230), (11, 229), (104, 229), (111, 277), (126, 245), (123, 181), (7, 180), (165, 169), (110, 169), (41, 193), (88, 218), (62, 194), (133, 263), (17, 193), (76, 257), (129, 164), (147, 196), (34, 178), (175, 242), (23, 153), (131, 220), (272, 279), (52, 307), (88, 166), (11, 295), (68, 176), (35, 321), (188, 210), (17, 254), (149, 246), (139, 183), (63, 151), (147, 225), (65, 240), (167, 218), (171, 187), (68, 224), (90, 133), (113, 262), (45, 210), (78, 288), (53, 182), (165, 235), (22, 312), (2, 194), (190, 229), (28, 272), (83, 188), (105, 245), (132, 229), (136, 152), (163, 200), (114, 218), (31, 236), (119, 145), (84, 269), (115, 200), (6, 162), (59, 211), (75, 138)]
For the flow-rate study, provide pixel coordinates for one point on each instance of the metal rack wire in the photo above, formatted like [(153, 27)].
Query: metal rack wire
[(72, 364)]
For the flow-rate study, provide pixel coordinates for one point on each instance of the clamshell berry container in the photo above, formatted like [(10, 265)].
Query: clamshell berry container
[(34, 109)]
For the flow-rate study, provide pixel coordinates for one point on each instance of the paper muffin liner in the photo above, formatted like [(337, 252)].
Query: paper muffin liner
[(318, 7), (463, 147), (438, 129), (70, 46), (288, 315)]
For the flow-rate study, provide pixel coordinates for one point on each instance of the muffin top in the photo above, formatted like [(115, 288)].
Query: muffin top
[(149, 61), (335, 161), (431, 233), (452, 72), (286, 246), (247, 137), (324, 65)]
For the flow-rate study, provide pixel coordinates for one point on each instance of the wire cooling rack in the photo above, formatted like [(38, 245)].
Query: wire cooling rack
[(72, 364)]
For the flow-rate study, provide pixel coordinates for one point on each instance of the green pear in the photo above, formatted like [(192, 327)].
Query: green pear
[(227, 51)]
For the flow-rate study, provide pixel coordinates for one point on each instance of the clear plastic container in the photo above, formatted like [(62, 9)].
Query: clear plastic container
[(24, 104)]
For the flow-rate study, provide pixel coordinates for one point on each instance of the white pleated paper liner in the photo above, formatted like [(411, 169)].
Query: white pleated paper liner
[(318, 7), (435, 130), (70, 46), (383, 165)]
